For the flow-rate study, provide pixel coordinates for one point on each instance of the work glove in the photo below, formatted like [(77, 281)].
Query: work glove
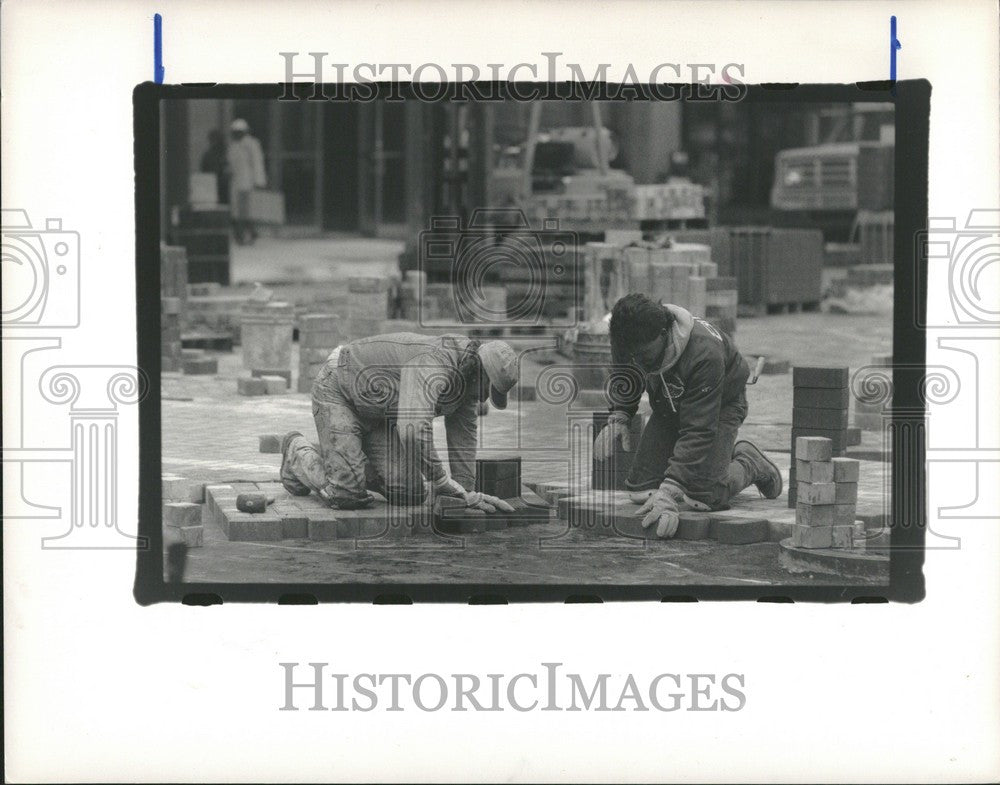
[(483, 501), (617, 428), (661, 509), (473, 499)]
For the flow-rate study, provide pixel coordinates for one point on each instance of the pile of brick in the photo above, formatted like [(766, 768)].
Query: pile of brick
[(681, 274), (616, 199), (601, 200), (367, 306), (174, 273), (827, 497), (319, 334), (214, 311), (185, 519), (678, 199), (197, 362), (267, 329), (170, 334), (262, 385), (408, 302), (820, 400), (722, 303), (870, 416)]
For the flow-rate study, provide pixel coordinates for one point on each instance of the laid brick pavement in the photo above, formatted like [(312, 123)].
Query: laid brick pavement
[(210, 434)]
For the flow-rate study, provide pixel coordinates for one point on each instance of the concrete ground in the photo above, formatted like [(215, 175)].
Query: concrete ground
[(209, 434)]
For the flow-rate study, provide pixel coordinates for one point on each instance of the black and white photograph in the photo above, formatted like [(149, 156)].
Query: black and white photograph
[(528, 342), (507, 392)]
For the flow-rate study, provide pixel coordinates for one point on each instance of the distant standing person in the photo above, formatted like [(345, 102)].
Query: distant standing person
[(215, 161), (246, 167)]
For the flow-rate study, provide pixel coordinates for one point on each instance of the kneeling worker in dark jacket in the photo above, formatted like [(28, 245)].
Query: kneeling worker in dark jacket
[(696, 379)]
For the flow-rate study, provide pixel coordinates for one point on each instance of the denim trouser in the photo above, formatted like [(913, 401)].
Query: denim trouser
[(723, 477), (354, 454)]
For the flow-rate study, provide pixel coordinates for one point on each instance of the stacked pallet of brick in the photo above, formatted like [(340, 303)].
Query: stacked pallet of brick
[(875, 233), (678, 199), (773, 267), (319, 334), (721, 303), (676, 275), (266, 329), (601, 279), (174, 274), (682, 274), (597, 200), (870, 416), (827, 497), (541, 275), (368, 305), (215, 310), (170, 334), (821, 399), (411, 293)]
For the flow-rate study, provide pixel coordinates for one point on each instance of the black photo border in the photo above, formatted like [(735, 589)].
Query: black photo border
[(906, 580)]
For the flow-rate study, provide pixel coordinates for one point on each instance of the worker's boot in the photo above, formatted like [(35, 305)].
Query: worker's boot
[(760, 469), (288, 479)]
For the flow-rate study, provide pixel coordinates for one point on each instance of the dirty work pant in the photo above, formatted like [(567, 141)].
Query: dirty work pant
[(354, 454), (726, 477)]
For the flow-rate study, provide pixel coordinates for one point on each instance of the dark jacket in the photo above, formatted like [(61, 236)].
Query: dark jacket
[(702, 372)]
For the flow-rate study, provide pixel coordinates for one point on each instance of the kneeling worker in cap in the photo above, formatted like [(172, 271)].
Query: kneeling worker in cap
[(374, 402), (688, 456)]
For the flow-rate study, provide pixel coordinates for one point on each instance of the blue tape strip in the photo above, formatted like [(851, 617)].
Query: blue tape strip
[(894, 46), (158, 69)]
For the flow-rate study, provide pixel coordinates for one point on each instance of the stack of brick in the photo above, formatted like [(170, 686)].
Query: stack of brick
[(870, 416), (368, 305), (678, 275), (410, 292), (676, 200), (216, 310), (267, 329), (438, 302), (827, 497), (482, 305), (261, 385), (540, 280), (602, 280), (197, 362), (721, 303), (820, 409), (319, 334), (174, 274), (170, 334), (185, 519)]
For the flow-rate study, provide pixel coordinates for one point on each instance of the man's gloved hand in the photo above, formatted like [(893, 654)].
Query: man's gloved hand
[(448, 487), (473, 499), (661, 508), (485, 502), (617, 428)]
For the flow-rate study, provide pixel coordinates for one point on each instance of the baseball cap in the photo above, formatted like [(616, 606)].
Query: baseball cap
[(239, 124), (500, 363)]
